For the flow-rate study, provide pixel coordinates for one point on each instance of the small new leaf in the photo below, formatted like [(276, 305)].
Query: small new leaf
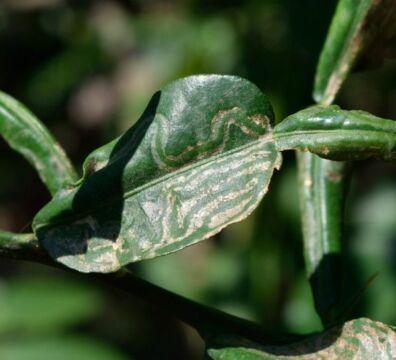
[(357, 339), (337, 134), (200, 157), (25, 133)]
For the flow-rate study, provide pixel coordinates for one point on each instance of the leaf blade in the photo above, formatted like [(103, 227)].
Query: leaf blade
[(360, 338), (200, 157), (27, 135), (322, 189), (362, 33), (337, 134), (356, 28)]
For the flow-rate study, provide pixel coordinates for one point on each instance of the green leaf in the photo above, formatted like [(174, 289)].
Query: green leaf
[(362, 34), (59, 348), (322, 190), (337, 134), (27, 135), (357, 339), (360, 28), (200, 157), (12, 241)]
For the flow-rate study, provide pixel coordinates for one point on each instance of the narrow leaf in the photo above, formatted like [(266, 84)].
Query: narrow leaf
[(200, 157), (357, 339), (322, 190), (337, 134), (358, 28), (25, 133), (361, 35)]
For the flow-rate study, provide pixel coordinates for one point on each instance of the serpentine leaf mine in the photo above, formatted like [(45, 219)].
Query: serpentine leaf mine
[(200, 157)]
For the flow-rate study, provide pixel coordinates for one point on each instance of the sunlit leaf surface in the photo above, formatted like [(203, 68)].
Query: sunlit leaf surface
[(25, 133), (337, 134)]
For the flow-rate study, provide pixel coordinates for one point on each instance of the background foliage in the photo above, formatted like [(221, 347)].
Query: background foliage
[(87, 69)]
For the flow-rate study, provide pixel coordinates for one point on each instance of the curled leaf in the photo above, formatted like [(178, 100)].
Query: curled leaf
[(337, 134)]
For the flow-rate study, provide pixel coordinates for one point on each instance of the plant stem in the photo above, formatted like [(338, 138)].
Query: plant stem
[(208, 321)]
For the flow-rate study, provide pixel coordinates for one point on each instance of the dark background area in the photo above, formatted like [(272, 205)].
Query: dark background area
[(87, 69)]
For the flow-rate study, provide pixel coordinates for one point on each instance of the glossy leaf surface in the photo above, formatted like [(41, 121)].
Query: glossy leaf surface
[(25, 133), (337, 134), (357, 339), (360, 28), (322, 190), (359, 36), (199, 158)]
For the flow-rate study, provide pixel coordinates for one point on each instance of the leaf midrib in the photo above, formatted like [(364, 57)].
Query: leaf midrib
[(294, 133), (267, 138)]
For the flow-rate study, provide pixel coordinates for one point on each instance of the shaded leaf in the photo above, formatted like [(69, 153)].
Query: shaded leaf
[(25, 134), (363, 29), (357, 339), (337, 134), (200, 157)]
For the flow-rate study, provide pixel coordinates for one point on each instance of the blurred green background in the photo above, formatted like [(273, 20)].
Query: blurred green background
[(87, 69)]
